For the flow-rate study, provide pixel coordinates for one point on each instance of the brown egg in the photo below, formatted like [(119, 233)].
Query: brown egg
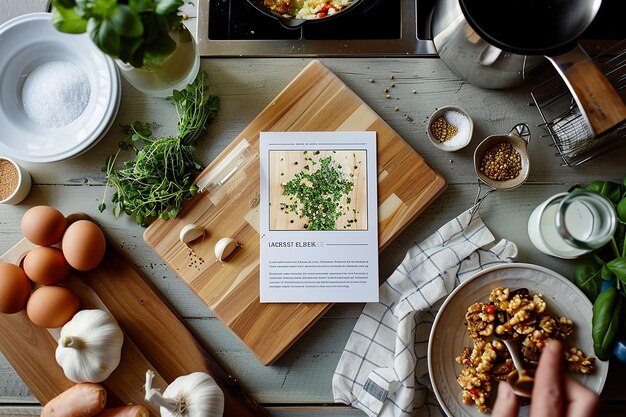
[(43, 225), (52, 306), (14, 289), (83, 245), (46, 265)]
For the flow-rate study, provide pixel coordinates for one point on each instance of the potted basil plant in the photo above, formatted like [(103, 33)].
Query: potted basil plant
[(153, 49)]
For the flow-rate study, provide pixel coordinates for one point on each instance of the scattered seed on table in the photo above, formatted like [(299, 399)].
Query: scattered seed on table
[(395, 109), (386, 90), (393, 85), (387, 96), (393, 77), (414, 92), (372, 80)]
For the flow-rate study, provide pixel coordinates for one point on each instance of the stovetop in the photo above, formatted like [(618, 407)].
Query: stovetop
[(375, 28)]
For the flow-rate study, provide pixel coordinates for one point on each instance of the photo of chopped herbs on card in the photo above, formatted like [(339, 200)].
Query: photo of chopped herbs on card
[(319, 229), (318, 190)]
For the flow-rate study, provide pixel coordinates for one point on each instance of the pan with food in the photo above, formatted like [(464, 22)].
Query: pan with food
[(294, 13)]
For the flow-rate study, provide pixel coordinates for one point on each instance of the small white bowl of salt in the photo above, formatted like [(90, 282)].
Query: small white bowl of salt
[(59, 94), (450, 128)]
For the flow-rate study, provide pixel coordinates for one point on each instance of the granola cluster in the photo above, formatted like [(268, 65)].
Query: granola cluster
[(510, 314)]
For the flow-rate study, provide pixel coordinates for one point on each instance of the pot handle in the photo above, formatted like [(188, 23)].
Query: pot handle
[(601, 106), (522, 130)]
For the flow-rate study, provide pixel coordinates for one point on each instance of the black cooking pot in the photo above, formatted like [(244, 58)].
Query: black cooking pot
[(292, 22)]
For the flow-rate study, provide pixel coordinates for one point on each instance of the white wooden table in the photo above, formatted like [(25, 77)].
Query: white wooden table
[(299, 383)]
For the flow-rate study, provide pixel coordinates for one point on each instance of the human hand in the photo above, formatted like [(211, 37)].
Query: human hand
[(554, 395)]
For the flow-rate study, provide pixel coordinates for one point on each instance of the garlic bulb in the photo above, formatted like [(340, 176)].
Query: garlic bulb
[(193, 395), (224, 247), (191, 232), (90, 346)]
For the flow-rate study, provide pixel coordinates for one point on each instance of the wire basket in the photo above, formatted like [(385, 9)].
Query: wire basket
[(571, 135)]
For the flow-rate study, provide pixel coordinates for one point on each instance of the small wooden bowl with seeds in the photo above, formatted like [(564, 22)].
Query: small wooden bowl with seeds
[(501, 161), (450, 128)]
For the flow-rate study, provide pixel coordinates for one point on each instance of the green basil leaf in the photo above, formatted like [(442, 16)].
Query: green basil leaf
[(141, 6), (609, 189), (168, 6), (618, 267), (606, 273), (596, 186), (150, 28), (587, 278), (101, 207), (158, 50), (104, 36), (66, 20), (126, 22), (68, 4), (606, 322), (128, 47), (621, 210)]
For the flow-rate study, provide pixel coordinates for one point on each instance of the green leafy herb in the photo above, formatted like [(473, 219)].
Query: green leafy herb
[(318, 194), (135, 31), (606, 322), (160, 177), (606, 265)]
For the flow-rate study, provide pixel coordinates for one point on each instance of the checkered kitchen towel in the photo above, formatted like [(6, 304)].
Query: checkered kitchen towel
[(383, 368)]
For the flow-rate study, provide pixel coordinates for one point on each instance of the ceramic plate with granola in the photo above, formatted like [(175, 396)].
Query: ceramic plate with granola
[(465, 358)]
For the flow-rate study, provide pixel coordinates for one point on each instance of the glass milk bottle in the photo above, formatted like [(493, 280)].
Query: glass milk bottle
[(568, 225)]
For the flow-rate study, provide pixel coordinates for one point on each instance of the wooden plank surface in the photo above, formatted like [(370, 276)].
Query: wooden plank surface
[(154, 338), (299, 382), (315, 100)]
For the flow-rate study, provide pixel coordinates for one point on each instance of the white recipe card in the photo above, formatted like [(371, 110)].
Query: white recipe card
[(319, 228)]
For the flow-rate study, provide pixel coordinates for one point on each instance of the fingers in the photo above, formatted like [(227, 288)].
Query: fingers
[(581, 401), (507, 403), (548, 396)]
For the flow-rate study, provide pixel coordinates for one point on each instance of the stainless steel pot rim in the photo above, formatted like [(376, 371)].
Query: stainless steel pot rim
[(565, 42)]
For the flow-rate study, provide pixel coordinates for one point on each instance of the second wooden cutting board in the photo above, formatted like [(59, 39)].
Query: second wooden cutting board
[(227, 206)]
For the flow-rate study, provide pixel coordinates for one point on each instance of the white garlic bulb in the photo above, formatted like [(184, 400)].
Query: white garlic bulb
[(191, 232), (193, 395), (90, 346), (224, 247)]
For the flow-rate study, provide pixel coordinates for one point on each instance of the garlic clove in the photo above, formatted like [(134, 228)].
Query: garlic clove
[(224, 247), (191, 232)]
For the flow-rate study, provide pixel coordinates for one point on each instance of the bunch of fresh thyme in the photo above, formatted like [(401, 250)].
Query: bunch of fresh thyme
[(161, 176)]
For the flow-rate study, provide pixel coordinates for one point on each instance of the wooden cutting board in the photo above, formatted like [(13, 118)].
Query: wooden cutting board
[(154, 338), (227, 206)]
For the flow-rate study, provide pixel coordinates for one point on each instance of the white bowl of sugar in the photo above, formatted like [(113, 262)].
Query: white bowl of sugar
[(450, 128), (59, 93)]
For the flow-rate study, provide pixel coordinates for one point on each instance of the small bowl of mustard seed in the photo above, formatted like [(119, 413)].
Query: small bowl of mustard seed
[(15, 181), (501, 161), (450, 128)]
